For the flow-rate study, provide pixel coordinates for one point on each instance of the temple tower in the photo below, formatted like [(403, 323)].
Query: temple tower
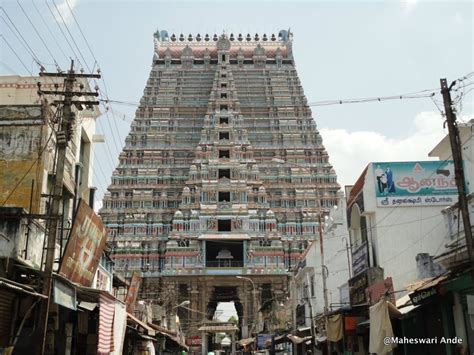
[(222, 175)]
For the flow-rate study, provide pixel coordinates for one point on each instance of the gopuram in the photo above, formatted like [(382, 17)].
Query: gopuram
[(219, 185)]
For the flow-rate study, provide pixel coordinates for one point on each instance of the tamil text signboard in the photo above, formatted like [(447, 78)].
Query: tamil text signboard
[(419, 183), (84, 247), (424, 296)]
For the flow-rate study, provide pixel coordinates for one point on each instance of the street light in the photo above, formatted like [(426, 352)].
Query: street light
[(254, 303), (318, 200)]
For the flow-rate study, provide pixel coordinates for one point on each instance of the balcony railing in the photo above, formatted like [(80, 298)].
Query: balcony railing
[(224, 263)]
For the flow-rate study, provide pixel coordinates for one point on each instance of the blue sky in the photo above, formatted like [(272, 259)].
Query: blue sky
[(343, 49)]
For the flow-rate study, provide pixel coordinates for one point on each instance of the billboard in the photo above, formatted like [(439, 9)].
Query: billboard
[(133, 292), (419, 183), (84, 247)]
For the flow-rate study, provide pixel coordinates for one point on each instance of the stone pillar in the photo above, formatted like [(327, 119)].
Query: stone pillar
[(232, 337), (243, 297), (204, 343)]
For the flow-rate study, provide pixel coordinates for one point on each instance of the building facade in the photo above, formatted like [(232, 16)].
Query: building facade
[(222, 175)]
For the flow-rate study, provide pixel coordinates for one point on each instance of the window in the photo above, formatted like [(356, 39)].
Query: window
[(224, 107), (224, 172), (223, 57), (224, 196), (223, 85), (224, 120), (224, 154), (223, 95), (224, 135), (223, 225), (223, 75)]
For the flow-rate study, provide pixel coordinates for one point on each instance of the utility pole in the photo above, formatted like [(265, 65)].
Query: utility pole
[(323, 269), (62, 139), (455, 141)]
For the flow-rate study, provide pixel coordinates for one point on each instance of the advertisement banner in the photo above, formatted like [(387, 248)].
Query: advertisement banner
[(422, 183), (133, 292), (84, 247)]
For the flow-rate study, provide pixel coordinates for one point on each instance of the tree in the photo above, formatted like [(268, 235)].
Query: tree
[(233, 319)]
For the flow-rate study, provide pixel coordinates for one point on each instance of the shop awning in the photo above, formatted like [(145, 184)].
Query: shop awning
[(17, 287), (426, 283), (298, 340), (405, 305), (145, 327), (218, 328), (246, 341)]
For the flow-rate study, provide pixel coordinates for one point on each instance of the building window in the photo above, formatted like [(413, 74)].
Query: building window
[(224, 225), (224, 135), (224, 107), (224, 172), (223, 95), (223, 120), (224, 154), (224, 196)]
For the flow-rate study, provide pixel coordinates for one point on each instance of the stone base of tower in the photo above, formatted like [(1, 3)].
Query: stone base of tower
[(255, 297)]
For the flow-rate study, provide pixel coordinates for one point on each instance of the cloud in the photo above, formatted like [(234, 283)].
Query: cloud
[(98, 205), (408, 5), (63, 9), (350, 152)]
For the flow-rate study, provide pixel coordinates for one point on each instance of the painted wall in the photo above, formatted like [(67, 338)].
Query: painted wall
[(397, 234)]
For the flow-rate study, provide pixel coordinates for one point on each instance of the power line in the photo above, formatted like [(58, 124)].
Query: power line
[(37, 33), (103, 80), (80, 30), (61, 30), (16, 55), (72, 37), (22, 41), (49, 30)]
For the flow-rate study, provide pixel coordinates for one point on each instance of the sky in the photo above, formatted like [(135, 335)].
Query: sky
[(342, 49)]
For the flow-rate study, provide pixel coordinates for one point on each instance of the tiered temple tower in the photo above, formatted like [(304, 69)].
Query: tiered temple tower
[(220, 176)]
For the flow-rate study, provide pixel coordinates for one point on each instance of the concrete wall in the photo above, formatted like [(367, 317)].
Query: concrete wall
[(21, 143), (398, 234), (22, 136), (335, 259), (16, 242)]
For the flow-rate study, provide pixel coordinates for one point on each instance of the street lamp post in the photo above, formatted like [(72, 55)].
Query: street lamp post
[(321, 240), (254, 306)]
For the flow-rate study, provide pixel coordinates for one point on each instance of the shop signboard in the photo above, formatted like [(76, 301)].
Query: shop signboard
[(424, 296), (133, 292), (358, 285), (194, 340), (360, 260), (84, 247), (418, 183), (64, 295)]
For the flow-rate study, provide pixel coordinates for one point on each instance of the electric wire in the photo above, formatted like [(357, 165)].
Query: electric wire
[(16, 55), (72, 37), (49, 30), (61, 30), (38, 34), (115, 139), (22, 40)]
